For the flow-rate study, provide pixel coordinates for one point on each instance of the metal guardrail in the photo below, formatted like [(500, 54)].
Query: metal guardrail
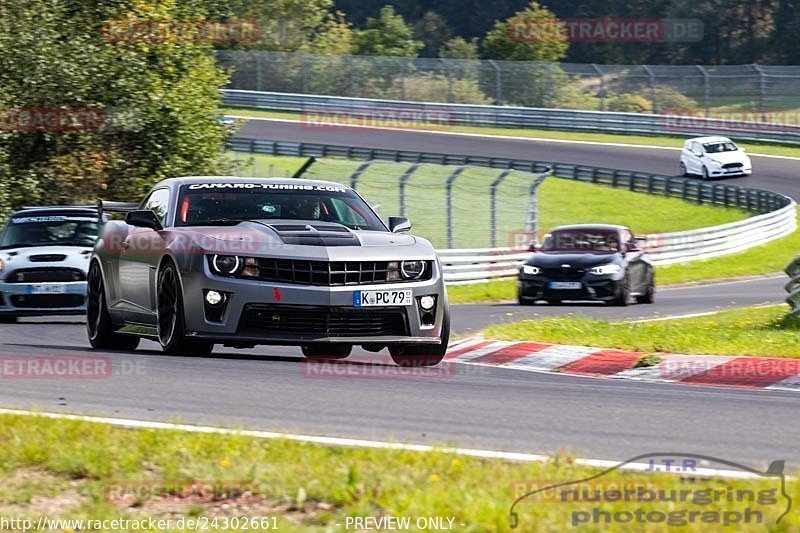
[(516, 117), (793, 287), (775, 213)]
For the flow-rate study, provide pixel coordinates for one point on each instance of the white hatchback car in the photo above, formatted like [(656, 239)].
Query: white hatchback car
[(712, 157)]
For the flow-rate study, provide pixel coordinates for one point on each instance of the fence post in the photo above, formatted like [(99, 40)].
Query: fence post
[(259, 71), (532, 220), (498, 82), (493, 206), (602, 93), (706, 88), (449, 200), (449, 80), (304, 72), (652, 82), (403, 181), (762, 88), (348, 59), (357, 174), (403, 68)]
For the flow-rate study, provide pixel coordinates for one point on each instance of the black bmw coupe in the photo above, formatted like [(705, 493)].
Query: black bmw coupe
[(587, 262)]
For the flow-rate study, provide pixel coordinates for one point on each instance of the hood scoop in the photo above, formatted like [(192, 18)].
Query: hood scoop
[(47, 258), (313, 233)]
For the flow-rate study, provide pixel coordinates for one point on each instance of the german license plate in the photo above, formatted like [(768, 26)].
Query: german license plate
[(565, 285), (381, 298), (47, 289)]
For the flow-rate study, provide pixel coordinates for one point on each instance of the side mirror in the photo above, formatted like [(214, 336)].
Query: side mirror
[(698, 154), (534, 247), (633, 247), (143, 219), (399, 224)]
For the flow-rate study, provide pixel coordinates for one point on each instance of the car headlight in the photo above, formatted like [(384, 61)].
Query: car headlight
[(2, 265), (227, 265), (530, 270), (604, 270), (714, 161), (412, 269)]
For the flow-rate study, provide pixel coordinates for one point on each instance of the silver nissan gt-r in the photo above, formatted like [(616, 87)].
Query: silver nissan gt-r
[(247, 261)]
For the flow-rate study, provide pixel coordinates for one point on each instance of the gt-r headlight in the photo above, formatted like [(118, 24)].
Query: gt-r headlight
[(604, 270), (530, 270), (226, 265), (412, 269)]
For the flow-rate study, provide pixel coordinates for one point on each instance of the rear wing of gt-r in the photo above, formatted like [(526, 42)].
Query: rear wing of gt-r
[(105, 206)]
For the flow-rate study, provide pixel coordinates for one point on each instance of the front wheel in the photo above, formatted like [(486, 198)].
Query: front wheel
[(705, 173), (423, 355), (171, 324), (684, 170), (649, 296), (99, 327), (327, 351), (623, 295)]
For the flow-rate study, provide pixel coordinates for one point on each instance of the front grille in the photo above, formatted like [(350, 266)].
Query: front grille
[(47, 258), (313, 322), (328, 273), (46, 301), (563, 274), (732, 165), (45, 275)]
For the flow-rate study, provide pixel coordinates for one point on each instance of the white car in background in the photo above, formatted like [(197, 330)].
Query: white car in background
[(711, 157)]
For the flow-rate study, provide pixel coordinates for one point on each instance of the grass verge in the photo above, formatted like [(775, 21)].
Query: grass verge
[(79, 470), (766, 332), (672, 141)]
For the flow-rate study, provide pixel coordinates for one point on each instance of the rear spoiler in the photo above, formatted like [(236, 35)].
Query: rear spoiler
[(104, 206)]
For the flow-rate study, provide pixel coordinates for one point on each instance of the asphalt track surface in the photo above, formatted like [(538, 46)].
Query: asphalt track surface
[(495, 408), (772, 174), (488, 408)]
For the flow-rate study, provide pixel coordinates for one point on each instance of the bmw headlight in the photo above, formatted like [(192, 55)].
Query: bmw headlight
[(530, 270), (226, 265), (604, 270), (412, 269)]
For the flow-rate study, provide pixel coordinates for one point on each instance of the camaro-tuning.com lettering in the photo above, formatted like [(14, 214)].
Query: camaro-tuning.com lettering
[(270, 186)]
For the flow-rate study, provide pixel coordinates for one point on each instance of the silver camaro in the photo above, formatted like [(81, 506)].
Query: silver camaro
[(247, 261)]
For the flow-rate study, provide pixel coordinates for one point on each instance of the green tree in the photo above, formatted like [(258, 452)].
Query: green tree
[(388, 35), (155, 104), (433, 31), (459, 48), (509, 40)]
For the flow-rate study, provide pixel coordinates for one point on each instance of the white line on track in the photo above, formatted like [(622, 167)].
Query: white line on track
[(507, 137), (339, 441)]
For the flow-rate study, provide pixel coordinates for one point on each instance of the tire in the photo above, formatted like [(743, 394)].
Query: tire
[(327, 351), (623, 296), (99, 326), (554, 302), (423, 355), (684, 171), (649, 297), (705, 173), (8, 319), (170, 317), (525, 301)]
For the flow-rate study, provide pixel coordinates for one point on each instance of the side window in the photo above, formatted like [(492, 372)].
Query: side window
[(158, 202)]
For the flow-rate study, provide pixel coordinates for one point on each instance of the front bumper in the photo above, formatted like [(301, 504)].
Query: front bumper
[(259, 312), (18, 299), (594, 288), (741, 171)]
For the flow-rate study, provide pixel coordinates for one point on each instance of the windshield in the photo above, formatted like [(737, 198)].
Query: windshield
[(716, 148), (50, 230), (580, 241), (206, 204)]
